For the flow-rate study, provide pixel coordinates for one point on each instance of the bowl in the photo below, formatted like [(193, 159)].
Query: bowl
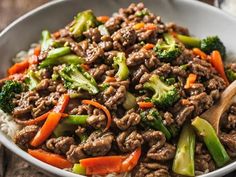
[(201, 19)]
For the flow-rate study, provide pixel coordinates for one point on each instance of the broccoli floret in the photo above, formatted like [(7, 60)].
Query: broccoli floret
[(82, 22), (120, 63), (164, 95), (231, 75), (153, 119), (207, 44), (32, 80), (167, 48), (8, 91), (76, 78), (46, 40)]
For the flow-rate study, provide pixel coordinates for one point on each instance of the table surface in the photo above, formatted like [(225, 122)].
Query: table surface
[(10, 164)]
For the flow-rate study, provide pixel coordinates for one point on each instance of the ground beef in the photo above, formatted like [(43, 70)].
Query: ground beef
[(97, 119), (137, 74), (24, 102), (113, 24), (216, 83), (98, 71), (196, 89), (161, 153), (75, 153), (124, 37), (229, 140), (129, 140), (177, 29), (106, 43), (94, 53), (60, 145), (168, 118), (153, 137), (152, 170), (24, 136), (229, 118), (164, 70), (129, 119), (98, 144), (82, 109), (183, 114), (148, 36), (114, 96), (137, 58), (93, 34)]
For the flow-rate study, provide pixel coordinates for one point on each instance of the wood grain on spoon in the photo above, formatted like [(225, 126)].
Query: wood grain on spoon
[(213, 114)]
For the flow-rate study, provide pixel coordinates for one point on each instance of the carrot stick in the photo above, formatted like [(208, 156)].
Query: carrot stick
[(19, 67), (56, 34), (85, 67), (200, 53), (190, 80), (150, 26), (37, 51), (217, 62), (50, 158), (105, 110), (103, 19), (145, 105), (131, 161), (138, 26), (110, 79), (62, 103)]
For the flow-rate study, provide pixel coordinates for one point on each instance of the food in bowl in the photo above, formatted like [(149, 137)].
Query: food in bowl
[(121, 95)]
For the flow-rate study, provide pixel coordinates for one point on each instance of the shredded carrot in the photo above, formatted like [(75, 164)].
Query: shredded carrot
[(185, 101), (190, 80), (145, 105), (200, 53), (217, 62), (150, 26), (85, 67), (110, 79), (19, 67), (50, 158), (103, 19), (138, 26), (148, 46), (106, 111), (56, 34), (62, 103), (37, 50)]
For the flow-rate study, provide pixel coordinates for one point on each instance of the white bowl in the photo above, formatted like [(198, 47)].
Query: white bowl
[(201, 19)]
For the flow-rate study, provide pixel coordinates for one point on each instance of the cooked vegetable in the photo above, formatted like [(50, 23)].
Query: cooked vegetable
[(167, 48), (76, 78), (50, 158), (103, 108), (103, 30), (82, 22), (46, 40), (153, 119), (145, 105), (8, 92), (130, 101), (19, 67), (164, 95), (63, 129), (79, 169), (197, 51), (231, 75), (207, 44), (32, 80), (108, 164), (76, 119), (211, 140), (120, 64), (52, 121), (217, 62), (184, 158), (103, 19), (190, 80)]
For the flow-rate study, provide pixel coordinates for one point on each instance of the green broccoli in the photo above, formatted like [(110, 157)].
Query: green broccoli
[(164, 95), (83, 21), (46, 40), (76, 78), (32, 80), (207, 44), (153, 119), (8, 92), (120, 63), (167, 48), (231, 75)]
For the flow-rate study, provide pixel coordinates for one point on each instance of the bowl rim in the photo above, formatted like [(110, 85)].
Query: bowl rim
[(5, 141)]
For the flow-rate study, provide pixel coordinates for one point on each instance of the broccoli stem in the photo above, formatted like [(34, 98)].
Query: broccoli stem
[(123, 70), (66, 59), (58, 52), (76, 119), (130, 101), (189, 41), (79, 169), (211, 140), (184, 158), (46, 40), (63, 129)]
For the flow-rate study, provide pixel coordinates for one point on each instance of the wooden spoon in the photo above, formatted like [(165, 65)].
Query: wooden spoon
[(213, 114)]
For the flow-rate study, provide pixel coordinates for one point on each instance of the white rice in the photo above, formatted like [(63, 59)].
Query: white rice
[(7, 125)]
